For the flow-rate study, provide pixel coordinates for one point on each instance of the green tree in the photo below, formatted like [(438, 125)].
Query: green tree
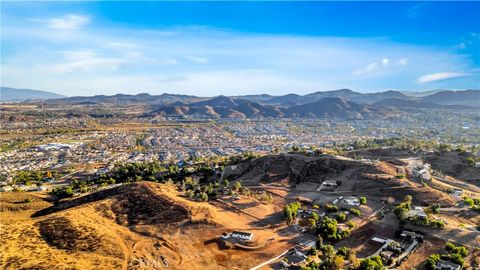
[(340, 217), (363, 200), (471, 161), (237, 186), (225, 183), (203, 196), (288, 213), (355, 211), (401, 212), (373, 263), (190, 193), (468, 201), (432, 261)]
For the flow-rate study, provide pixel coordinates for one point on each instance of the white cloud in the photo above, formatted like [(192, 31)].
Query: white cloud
[(366, 70), (70, 21), (82, 60), (377, 67), (79, 54), (402, 62), (103, 59), (385, 62), (197, 59), (440, 76), (101, 64), (120, 45)]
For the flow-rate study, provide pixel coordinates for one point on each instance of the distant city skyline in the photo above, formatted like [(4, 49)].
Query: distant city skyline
[(239, 48)]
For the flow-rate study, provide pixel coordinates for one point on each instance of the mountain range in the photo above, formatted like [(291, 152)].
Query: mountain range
[(337, 103), (8, 94)]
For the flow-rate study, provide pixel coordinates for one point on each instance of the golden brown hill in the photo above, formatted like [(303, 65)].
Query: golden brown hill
[(130, 205), (359, 176), (455, 164), (145, 224)]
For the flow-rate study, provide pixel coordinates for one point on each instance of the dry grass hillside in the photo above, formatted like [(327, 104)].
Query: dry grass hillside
[(371, 178), (455, 164), (121, 228)]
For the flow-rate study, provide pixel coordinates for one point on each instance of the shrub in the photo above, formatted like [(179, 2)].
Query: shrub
[(355, 211), (290, 211), (470, 161), (468, 201), (203, 197), (340, 217), (331, 208), (373, 263), (363, 200), (344, 252), (432, 261), (237, 186)]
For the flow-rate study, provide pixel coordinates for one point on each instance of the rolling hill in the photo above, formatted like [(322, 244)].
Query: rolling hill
[(225, 107), (8, 94), (467, 97), (416, 104)]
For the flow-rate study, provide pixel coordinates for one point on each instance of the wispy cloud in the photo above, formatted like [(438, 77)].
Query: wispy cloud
[(106, 59), (440, 76), (402, 62), (82, 60), (197, 59), (415, 10), (68, 22), (379, 66)]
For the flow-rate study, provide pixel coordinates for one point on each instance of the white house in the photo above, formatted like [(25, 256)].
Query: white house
[(242, 235)]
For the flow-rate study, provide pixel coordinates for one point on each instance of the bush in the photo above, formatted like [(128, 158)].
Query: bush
[(452, 249), (432, 261), (401, 212), (373, 263), (340, 217), (344, 252), (331, 208), (363, 200), (355, 212), (190, 193), (471, 161), (203, 197), (434, 208), (237, 186), (62, 192), (327, 228), (350, 224), (468, 201), (290, 211)]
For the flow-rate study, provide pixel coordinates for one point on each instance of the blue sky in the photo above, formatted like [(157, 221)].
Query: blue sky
[(233, 48)]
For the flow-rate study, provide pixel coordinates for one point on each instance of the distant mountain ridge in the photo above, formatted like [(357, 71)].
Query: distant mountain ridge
[(224, 107), (337, 103), (126, 98), (449, 97), (416, 104), (8, 94), (343, 103), (346, 94)]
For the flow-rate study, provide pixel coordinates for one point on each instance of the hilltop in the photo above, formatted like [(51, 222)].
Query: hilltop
[(355, 175), (111, 228), (8, 94)]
